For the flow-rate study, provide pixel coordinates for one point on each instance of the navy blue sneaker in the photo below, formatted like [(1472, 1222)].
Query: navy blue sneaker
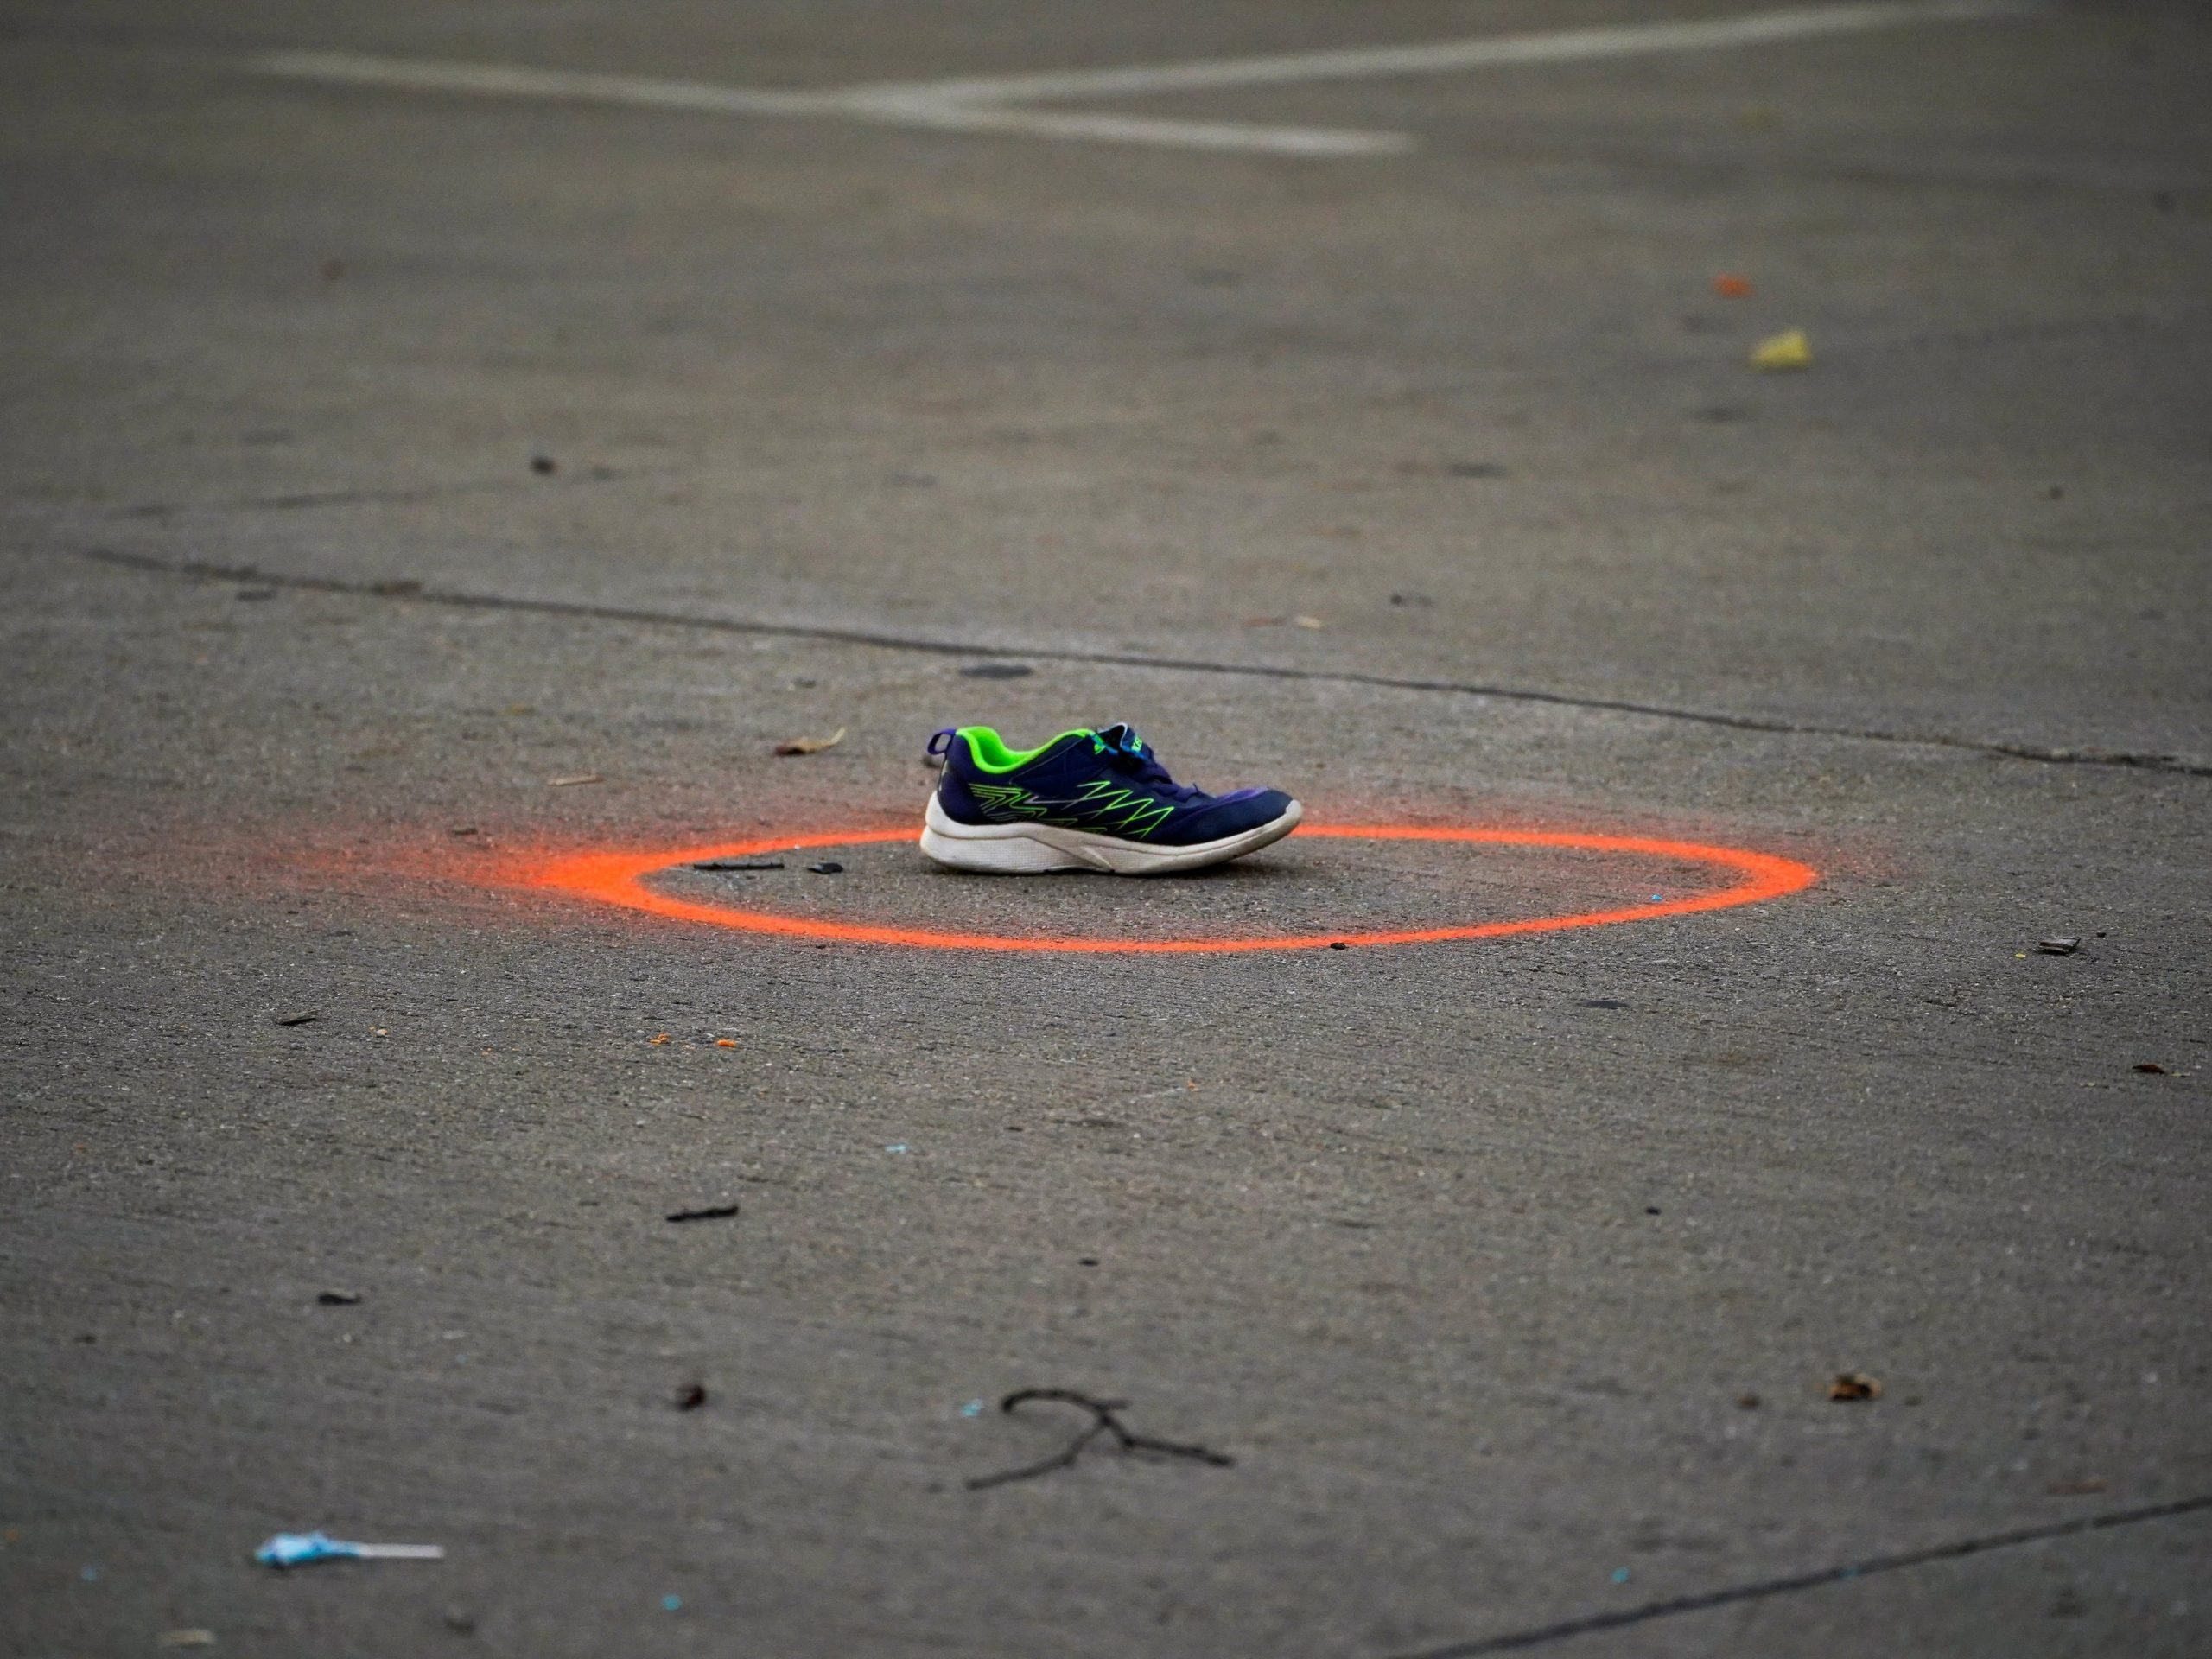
[(1086, 800)]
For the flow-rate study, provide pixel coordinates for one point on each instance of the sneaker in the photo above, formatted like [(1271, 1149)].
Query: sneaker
[(1086, 800)]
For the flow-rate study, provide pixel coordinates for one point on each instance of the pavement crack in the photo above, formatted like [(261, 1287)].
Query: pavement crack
[(308, 500), (1543, 1636), (410, 593)]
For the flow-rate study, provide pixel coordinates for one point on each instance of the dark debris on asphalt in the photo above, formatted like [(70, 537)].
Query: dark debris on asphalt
[(1104, 1423)]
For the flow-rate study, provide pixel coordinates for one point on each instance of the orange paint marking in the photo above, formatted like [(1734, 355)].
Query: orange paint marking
[(619, 879)]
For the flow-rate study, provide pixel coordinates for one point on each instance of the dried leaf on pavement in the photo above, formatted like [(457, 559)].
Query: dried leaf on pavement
[(811, 745)]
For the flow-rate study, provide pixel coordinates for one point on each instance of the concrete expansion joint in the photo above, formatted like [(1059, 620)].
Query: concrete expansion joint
[(415, 593), (1521, 1641)]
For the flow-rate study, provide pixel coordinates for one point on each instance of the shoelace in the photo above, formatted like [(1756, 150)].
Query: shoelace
[(1126, 751)]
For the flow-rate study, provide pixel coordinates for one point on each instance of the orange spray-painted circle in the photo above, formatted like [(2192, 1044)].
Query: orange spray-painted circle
[(619, 878)]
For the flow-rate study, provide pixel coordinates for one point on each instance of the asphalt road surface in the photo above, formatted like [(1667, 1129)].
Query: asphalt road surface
[(440, 441)]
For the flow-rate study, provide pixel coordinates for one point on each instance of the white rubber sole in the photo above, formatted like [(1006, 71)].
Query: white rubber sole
[(1034, 849)]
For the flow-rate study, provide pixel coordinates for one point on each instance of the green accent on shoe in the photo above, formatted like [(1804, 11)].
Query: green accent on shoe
[(1007, 797), (988, 750), (1141, 814)]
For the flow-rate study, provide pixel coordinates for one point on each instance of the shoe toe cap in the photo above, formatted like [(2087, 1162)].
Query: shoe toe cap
[(1232, 815)]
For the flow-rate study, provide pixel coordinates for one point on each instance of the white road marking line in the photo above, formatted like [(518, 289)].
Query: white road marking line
[(505, 80), (947, 116), (884, 105), (993, 104), (1482, 52)]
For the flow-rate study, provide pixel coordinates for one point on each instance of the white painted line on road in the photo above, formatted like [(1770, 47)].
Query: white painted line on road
[(505, 80), (1482, 52), (995, 103), (901, 106), (887, 105), (946, 116)]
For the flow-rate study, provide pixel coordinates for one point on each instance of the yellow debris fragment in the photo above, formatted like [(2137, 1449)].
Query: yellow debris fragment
[(1783, 351)]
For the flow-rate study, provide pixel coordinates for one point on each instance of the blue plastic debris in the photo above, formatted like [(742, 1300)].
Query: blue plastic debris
[(1621, 1575), (302, 1549), (671, 1603), (973, 1408), (896, 1146)]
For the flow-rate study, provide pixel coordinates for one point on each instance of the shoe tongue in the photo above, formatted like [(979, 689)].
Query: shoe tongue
[(1122, 735)]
